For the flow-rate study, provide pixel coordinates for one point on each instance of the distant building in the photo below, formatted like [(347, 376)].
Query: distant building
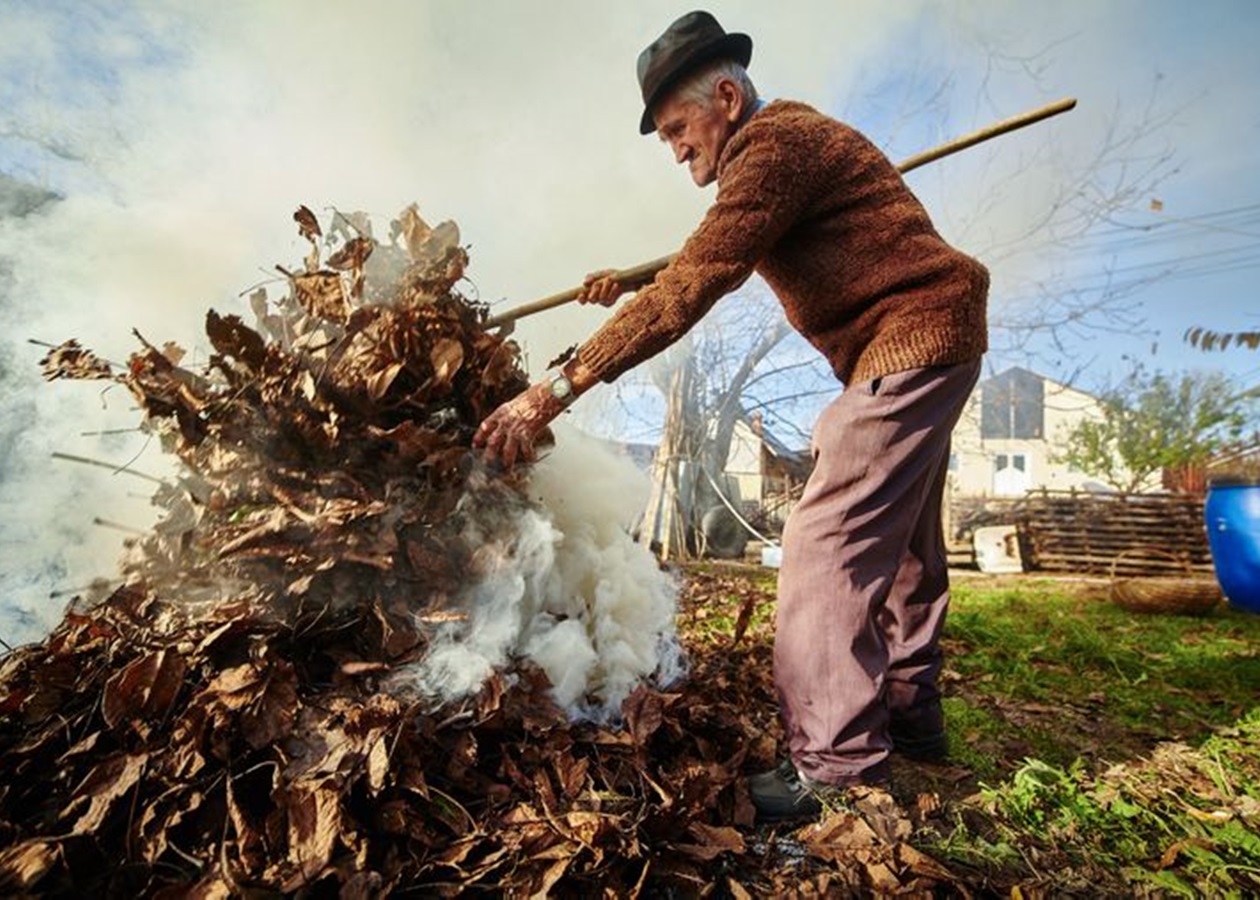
[(768, 472), (1013, 429)]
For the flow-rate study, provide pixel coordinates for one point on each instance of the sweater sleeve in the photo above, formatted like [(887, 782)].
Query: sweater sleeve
[(760, 196)]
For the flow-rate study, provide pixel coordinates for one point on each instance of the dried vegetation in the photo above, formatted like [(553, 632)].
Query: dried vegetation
[(227, 721)]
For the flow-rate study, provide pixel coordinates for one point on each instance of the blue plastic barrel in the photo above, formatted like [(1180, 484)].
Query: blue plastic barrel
[(1232, 514)]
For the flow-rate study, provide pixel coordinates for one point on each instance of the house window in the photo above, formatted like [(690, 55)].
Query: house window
[(1012, 406), (1017, 461)]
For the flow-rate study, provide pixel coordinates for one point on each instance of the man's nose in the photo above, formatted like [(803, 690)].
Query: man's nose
[(681, 152)]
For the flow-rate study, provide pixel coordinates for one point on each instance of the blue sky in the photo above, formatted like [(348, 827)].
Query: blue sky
[(181, 114), (182, 136)]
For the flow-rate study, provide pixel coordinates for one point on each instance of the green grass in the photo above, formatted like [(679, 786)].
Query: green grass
[(1102, 753), (1101, 678), (1116, 750), (1183, 821)]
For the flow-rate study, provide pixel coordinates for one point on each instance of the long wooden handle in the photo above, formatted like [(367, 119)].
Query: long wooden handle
[(639, 275)]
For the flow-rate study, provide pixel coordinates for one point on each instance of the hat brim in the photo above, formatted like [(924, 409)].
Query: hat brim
[(734, 46)]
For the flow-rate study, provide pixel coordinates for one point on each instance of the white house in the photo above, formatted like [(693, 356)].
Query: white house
[(768, 472), (1010, 432)]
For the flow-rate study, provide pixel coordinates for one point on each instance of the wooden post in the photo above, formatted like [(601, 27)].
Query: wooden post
[(663, 520)]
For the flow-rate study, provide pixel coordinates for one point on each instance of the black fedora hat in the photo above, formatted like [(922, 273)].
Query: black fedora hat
[(691, 41)]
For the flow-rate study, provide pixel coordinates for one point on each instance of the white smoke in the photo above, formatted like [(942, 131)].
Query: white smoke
[(568, 590)]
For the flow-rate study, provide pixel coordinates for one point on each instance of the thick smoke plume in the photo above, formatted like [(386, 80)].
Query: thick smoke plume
[(566, 587)]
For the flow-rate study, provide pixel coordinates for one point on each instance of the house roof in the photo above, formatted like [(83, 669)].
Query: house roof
[(1021, 375), (773, 444)]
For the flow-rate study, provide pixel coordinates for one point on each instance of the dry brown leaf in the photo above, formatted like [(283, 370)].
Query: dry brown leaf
[(321, 294), (145, 688), (447, 357), (314, 825), (24, 864), (308, 225), (840, 833), (881, 878), (920, 863), (550, 877), (415, 231), (378, 765), (712, 841), (378, 384), (353, 255), (271, 714), (70, 360), (644, 712), (104, 786), (233, 338)]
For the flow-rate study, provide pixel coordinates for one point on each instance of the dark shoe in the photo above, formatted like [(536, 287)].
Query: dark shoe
[(784, 794), (918, 732), (931, 748), (763, 780)]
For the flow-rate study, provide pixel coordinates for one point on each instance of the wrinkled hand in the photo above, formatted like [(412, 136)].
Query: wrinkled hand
[(510, 432), (600, 287)]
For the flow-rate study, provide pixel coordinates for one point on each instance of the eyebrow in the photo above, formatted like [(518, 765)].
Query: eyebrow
[(669, 129)]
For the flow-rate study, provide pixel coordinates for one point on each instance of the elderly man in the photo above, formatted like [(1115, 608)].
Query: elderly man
[(823, 216)]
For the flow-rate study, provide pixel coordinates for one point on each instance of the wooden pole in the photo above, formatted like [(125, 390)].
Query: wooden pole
[(637, 276)]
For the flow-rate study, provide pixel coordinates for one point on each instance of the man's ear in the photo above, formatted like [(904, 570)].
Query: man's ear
[(731, 99)]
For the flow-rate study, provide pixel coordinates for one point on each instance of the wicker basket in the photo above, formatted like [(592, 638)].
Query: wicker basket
[(1188, 595)]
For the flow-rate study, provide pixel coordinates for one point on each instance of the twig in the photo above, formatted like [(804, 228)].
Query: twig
[(110, 431), (256, 285), (57, 454), (117, 526)]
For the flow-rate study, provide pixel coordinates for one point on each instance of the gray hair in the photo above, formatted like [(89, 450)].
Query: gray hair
[(698, 86)]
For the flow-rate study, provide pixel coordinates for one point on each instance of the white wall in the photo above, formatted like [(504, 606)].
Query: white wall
[(975, 459), (744, 462)]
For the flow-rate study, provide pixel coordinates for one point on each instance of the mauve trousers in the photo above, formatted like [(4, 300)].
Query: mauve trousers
[(863, 581)]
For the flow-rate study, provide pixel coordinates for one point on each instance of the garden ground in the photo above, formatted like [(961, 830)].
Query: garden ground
[(1093, 750)]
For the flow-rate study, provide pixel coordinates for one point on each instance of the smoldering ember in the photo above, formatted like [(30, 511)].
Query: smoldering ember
[(352, 660)]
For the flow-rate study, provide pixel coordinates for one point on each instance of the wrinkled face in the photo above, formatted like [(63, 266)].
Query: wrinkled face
[(697, 132)]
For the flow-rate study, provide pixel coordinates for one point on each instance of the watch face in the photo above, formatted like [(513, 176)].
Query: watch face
[(561, 388)]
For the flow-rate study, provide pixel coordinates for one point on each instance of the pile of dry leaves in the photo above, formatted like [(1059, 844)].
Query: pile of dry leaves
[(225, 722)]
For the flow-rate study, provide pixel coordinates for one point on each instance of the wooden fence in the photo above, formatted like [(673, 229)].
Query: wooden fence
[(1128, 534)]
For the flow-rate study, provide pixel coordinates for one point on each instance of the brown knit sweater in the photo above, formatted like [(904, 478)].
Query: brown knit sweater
[(820, 213)]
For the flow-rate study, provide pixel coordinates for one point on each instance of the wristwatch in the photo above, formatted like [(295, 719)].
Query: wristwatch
[(561, 386)]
